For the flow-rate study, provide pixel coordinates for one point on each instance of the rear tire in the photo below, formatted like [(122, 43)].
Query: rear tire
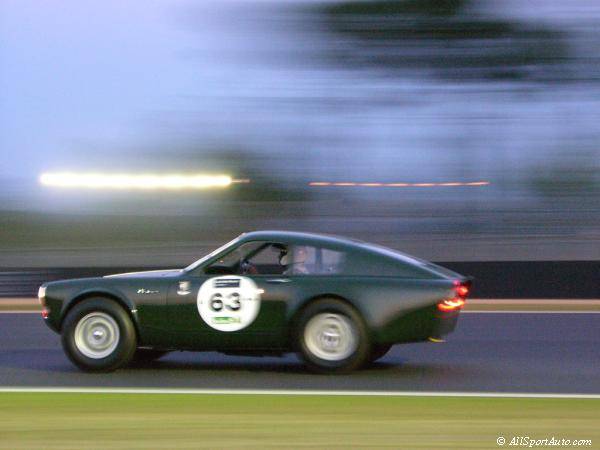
[(98, 335), (332, 337)]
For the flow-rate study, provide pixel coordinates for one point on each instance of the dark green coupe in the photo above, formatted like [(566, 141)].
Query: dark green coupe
[(339, 303)]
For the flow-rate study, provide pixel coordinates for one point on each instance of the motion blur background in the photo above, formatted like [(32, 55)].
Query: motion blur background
[(288, 93)]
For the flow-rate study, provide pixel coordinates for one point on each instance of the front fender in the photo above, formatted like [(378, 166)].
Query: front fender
[(105, 291), (60, 303)]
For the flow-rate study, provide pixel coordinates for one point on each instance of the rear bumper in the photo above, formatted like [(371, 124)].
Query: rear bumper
[(444, 323), (418, 326)]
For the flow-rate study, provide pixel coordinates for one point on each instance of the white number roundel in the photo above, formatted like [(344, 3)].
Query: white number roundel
[(228, 303)]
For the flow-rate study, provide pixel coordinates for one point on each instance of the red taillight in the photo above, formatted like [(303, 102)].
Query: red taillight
[(45, 313), (461, 290), (451, 304)]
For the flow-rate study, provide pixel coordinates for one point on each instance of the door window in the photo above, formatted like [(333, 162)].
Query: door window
[(251, 258)]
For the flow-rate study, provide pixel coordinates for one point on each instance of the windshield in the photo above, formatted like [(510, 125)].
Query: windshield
[(211, 254)]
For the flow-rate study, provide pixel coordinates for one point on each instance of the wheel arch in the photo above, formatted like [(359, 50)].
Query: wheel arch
[(82, 296), (293, 320)]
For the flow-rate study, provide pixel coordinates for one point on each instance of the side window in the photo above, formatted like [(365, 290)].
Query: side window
[(267, 260), (332, 261), (229, 263), (308, 260), (251, 258)]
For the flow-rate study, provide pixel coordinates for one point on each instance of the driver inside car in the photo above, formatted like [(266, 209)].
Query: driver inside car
[(264, 259), (294, 261), (247, 268)]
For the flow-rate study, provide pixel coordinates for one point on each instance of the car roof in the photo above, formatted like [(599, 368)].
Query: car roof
[(332, 241), (298, 237)]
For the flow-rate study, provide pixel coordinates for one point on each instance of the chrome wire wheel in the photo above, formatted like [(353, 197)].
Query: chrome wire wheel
[(331, 336), (96, 335)]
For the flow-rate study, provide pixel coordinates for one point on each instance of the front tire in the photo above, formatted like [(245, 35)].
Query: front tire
[(332, 337), (98, 335)]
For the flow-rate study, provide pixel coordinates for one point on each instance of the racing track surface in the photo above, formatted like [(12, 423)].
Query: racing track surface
[(499, 352)]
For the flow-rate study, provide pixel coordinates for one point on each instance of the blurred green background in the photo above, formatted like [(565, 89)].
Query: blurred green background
[(291, 92)]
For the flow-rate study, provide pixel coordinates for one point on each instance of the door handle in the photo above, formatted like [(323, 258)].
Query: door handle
[(278, 280)]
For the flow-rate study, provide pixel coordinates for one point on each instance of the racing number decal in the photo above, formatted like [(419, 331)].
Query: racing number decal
[(228, 303)]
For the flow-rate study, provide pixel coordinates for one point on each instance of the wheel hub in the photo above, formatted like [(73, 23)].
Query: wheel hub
[(330, 336), (97, 335)]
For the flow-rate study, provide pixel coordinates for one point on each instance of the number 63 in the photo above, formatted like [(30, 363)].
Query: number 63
[(230, 301)]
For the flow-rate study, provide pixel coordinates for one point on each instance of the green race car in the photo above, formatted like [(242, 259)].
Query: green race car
[(339, 303)]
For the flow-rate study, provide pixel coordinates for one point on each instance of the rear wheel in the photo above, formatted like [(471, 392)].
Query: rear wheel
[(98, 335), (332, 337)]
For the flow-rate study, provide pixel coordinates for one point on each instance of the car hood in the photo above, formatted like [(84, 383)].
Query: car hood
[(147, 274)]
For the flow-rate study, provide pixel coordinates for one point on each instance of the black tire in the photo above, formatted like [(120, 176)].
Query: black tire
[(110, 312), (329, 309), (379, 351), (145, 355)]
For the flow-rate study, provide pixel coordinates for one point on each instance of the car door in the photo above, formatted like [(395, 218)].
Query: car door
[(230, 305)]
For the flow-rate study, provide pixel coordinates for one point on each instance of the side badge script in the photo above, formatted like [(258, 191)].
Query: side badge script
[(146, 291)]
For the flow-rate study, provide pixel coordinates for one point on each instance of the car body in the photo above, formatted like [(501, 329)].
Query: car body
[(249, 297)]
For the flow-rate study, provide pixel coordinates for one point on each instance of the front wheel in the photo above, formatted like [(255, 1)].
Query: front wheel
[(98, 335), (332, 337)]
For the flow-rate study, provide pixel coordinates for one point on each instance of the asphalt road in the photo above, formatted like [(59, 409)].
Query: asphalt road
[(493, 352)]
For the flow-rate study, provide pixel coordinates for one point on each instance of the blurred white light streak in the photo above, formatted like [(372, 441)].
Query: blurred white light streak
[(130, 181), (352, 184)]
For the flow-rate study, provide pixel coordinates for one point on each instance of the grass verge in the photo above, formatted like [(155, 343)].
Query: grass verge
[(77, 421)]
